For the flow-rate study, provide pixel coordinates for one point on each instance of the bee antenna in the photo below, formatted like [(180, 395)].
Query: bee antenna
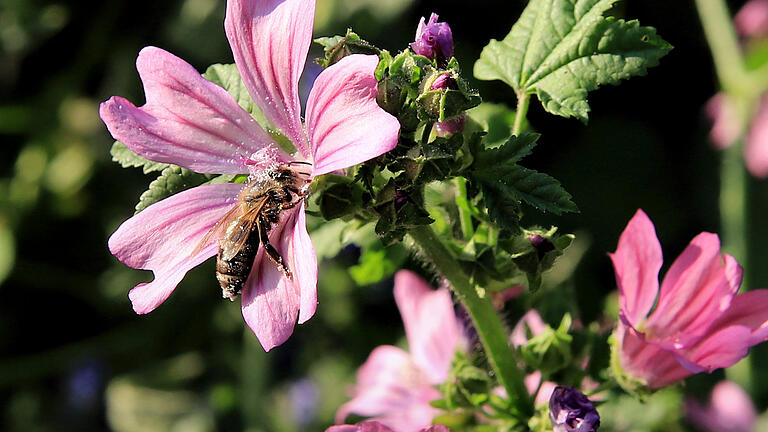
[(299, 163)]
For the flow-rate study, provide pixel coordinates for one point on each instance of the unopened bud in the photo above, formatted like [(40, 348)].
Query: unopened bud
[(434, 40)]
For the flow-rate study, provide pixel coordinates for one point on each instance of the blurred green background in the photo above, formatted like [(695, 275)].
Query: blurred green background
[(74, 356)]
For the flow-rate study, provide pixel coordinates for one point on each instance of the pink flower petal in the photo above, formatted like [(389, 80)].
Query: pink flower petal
[(749, 309), (756, 148), (637, 262), (430, 324), (730, 410), (270, 301), (726, 128), (304, 266), (648, 362), (162, 237), (720, 349), (392, 388), (270, 40), (346, 126), (187, 120), (696, 290), (752, 19)]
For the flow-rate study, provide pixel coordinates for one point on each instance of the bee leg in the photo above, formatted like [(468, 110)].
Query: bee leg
[(272, 253)]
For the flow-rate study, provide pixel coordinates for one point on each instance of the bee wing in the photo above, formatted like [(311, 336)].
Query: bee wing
[(235, 238), (218, 229)]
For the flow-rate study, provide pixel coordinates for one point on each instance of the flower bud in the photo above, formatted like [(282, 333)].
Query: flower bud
[(451, 127), (444, 81), (434, 40), (571, 411)]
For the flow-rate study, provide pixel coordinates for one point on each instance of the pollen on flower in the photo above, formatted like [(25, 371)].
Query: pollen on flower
[(262, 160)]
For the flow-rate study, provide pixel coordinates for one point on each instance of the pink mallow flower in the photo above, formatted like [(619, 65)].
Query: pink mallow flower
[(699, 323), (752, 19), (193, 123), (395, 386), (374, 426), (730, 410)]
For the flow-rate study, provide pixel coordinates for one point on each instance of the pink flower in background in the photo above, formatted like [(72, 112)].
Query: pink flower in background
[(531, 323), (730, 410), (193, 123), (752, 19), (373, 426), (751, 22), (395, 387), (699, 323), (727, 129)]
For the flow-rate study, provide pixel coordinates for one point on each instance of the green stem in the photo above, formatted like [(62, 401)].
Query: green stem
[(744, 89), (520, 113), (462, 202), (486, 321), (724, 45), (733, 205)]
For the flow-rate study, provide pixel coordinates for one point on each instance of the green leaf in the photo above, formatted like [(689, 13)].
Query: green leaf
[(535, 188), (172, 180), (377, 263), (128, 159), (514, 149), (228, 77), (562, 49)]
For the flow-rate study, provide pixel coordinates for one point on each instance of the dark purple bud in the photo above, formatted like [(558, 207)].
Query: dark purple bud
[(444, 81), (571, 411), (400, 199), (541, 244), (451, 126), (434, 40)]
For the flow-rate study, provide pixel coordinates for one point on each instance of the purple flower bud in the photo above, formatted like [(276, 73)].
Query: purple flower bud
[(541, 244), (571, 411), (401, 198), (444, 81), (451, 126), (434, 40)]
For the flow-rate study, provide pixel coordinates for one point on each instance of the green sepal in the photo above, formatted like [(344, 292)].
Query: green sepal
[(467, 385), (562, 49), (338, 47), (549, 351), (632, 385), (534, 261)]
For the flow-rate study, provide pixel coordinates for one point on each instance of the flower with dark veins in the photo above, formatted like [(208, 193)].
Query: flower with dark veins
[(193, 123)]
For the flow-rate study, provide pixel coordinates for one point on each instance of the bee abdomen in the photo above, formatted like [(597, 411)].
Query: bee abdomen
[(232, 273)]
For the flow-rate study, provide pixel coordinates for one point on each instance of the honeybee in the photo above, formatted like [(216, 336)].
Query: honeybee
[(247, 225)]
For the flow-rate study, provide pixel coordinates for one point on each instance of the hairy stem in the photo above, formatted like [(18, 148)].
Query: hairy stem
[(484, 317), (522, 110), (467, 229)]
